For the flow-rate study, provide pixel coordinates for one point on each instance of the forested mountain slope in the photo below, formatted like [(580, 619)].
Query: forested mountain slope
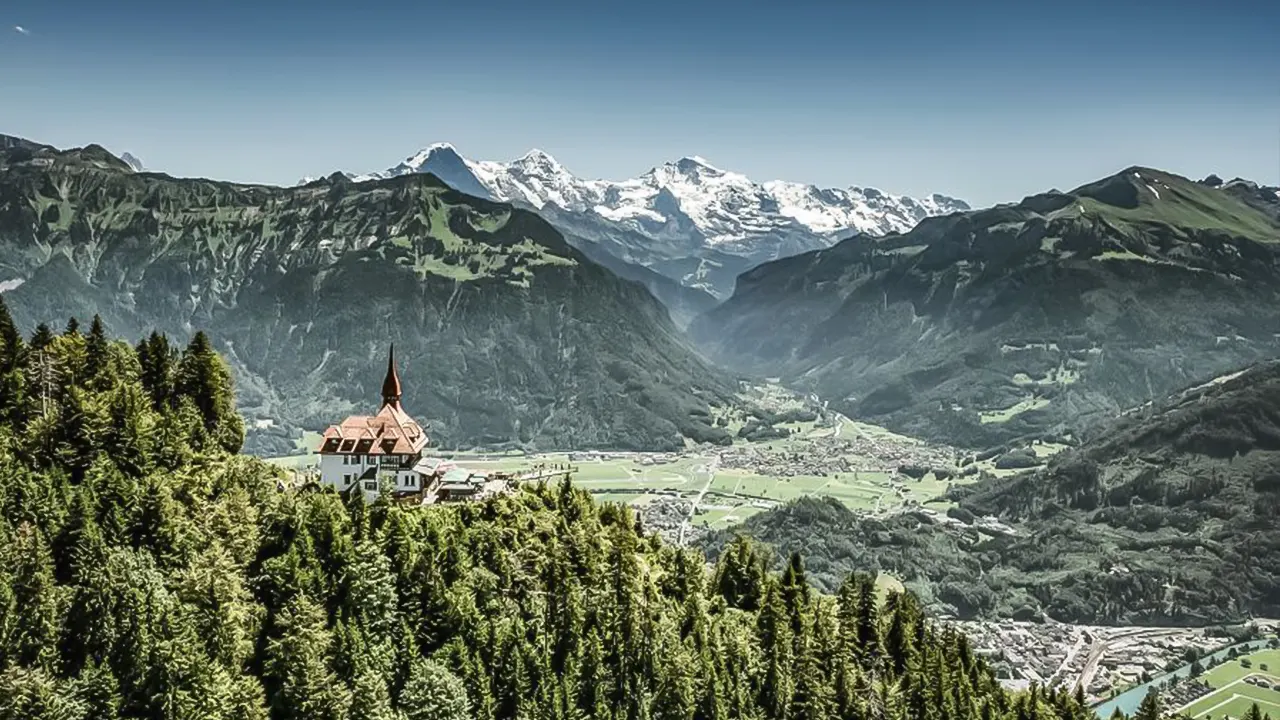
[(1172, 515), (148, 573), (506, 334), (1051, 315)]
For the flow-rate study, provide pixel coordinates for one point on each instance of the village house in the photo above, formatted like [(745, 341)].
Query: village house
[(381, 451)]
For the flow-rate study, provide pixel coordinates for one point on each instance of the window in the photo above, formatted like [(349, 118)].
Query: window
[(371, 485), (346, 480), (410, 481)]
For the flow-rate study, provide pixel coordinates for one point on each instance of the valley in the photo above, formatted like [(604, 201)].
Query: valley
[(685, 493)]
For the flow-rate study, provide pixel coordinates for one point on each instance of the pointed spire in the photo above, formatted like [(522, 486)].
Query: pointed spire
[(391, 384)]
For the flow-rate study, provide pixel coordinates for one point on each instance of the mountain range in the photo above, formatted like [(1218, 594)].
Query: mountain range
[(507, 335), (687, 220), (1039, 318)]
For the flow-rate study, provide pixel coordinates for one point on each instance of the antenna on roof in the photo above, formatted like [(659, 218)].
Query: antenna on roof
[(391, 384)]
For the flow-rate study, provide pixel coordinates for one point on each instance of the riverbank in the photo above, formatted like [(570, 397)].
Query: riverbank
[(1127, 702)]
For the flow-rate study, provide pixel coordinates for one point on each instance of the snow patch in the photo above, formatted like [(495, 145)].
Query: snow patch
[(724, 208)]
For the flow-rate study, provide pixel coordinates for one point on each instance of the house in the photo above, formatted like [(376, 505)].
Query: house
[(378, 452), (460, 484)]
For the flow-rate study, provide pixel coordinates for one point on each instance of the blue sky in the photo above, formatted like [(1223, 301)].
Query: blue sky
[(984, 101)]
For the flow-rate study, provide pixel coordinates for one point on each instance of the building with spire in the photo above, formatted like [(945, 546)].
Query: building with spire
[(378, 452)]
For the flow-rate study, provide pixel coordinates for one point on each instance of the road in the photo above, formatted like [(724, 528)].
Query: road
[(1117, 639), (1096, 650), (1060, 674), (710, 469)]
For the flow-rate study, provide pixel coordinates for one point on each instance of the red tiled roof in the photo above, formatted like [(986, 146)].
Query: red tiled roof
[(390, 432)]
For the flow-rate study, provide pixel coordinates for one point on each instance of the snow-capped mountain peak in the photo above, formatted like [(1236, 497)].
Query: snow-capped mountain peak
[(434, 153), (133, 162), (680, 206), (538, 159), (696, 163), (424, 155)]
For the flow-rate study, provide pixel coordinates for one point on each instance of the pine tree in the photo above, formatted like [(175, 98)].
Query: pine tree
[(740, 574), (32, 623), (41, 338), (774, 628), (898, 645), (203, 376), (1149, 709), (13, 358), (155, 358), (12, 350), (868, 621), (434, 693), (96, 347), (127, 436), (98, 692), (370, 699), (301, 684)]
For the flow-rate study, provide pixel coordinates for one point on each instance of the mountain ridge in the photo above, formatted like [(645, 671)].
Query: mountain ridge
[(1021, 319), (511, 335), (682, 212)]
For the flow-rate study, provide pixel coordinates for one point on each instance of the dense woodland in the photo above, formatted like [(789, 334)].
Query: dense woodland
[(149, 572)]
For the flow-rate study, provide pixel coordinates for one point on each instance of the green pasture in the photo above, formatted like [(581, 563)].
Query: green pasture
[(1233, 701), (1234, 670), (1233, 697)]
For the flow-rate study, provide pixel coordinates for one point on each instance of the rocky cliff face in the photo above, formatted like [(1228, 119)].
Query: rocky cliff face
[(507, 334), (1045, 316)]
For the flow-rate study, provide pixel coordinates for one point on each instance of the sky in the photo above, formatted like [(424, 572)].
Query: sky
[(986, 101)]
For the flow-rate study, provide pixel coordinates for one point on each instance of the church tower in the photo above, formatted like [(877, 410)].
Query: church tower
[(391, 383)]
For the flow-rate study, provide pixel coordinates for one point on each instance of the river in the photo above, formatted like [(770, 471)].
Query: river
[(1129, 700)]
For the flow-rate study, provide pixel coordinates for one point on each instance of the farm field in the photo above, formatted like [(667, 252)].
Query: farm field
[(1233, 695), (732, 483)]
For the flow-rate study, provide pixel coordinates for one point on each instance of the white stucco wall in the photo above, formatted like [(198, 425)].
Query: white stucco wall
[(333, 470)]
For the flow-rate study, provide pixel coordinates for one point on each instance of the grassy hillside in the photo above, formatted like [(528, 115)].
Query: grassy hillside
[(507, 335), (1048, 316)]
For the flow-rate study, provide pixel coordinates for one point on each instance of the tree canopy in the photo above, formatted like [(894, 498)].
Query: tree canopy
[(147, 571)]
